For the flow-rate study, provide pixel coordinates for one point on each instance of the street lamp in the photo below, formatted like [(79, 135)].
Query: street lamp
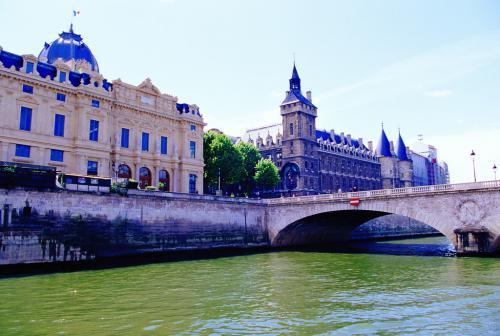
[(472, 155), (495, 171), (219, 191)]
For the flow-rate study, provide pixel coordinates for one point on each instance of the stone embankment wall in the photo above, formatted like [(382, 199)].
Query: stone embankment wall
[(65, 226), (392, 226)]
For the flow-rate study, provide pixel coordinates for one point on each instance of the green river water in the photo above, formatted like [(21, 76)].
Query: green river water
[(279, 293)]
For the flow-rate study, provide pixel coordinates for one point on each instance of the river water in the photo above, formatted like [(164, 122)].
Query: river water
[(279, 293)]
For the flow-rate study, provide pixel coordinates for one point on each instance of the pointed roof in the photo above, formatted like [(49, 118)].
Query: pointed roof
[(295, 93), (295, 74), (383, 147), (401, 150)]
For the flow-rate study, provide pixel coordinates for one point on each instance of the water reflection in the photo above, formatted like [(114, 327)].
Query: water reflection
[(274, 294)]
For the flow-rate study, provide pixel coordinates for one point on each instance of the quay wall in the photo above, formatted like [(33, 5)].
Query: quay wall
[(49, 226)]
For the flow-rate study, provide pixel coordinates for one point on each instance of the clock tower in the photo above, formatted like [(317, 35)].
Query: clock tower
[(300, 170)]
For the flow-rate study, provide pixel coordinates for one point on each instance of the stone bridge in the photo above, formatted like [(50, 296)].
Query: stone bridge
[(467, 214)]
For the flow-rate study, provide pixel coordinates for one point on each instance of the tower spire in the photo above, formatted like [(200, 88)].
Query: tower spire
[(295, 80)]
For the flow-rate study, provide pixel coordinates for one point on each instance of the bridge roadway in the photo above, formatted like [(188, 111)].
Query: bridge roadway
[(468, 214)]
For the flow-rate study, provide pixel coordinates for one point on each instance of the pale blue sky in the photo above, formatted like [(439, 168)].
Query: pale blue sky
[(429, 67)]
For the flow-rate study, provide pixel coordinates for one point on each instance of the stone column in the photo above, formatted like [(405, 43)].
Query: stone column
[(4, 151)]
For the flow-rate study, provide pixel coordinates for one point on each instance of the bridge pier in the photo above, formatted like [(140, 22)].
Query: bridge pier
[(472, 241)]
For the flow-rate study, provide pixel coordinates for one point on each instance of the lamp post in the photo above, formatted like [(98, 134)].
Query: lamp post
[(219, 192), (472, 155), (495, 171)]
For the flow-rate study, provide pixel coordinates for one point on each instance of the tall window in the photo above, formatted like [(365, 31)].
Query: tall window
[(192, 183), (23, 151), (27, 88), (163, 145), (145, 141), (95, 103), (310, 130), (91, 167), (29, 67), (192, 149), (59, 125), (124, 139), (56, 155), (62, 76), (291, 128), (25, 119), (61, 97), (94, 130)]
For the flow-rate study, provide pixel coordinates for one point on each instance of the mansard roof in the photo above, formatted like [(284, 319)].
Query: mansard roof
[(338, 139)]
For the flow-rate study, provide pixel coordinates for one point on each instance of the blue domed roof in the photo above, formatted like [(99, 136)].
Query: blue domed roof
[(69, 47)]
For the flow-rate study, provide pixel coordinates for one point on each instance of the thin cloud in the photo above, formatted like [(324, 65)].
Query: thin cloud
[(436, 67), (439, 93)]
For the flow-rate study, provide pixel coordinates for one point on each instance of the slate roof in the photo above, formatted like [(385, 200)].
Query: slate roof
[(401, 150), (383, 147)]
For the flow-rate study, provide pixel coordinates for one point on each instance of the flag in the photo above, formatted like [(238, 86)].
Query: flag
[(75, 12)]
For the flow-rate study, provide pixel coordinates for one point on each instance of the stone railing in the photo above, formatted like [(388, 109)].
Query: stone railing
[(439, 188), (191, 197)]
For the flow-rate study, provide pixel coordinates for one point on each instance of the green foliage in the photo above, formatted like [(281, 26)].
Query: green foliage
[(251, 156), (151, 188), (119, 188), (266, 175), (220, 154)]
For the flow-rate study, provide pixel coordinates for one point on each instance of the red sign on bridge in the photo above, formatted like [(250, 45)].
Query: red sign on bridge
[(354, 201)]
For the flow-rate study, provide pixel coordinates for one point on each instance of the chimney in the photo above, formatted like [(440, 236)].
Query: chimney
[(370, 146), (360, 140), (287, 93), (342, 136), (349, 139), (392, 146), (309, 96)]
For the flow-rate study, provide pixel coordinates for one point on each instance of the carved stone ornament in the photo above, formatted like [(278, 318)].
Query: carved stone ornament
[(469, 212)]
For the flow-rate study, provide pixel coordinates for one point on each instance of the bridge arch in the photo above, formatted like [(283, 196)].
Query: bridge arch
[(332, 226)]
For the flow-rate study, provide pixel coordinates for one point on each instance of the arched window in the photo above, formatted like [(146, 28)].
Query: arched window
[(124, 171), (144, 177), (164, 180)]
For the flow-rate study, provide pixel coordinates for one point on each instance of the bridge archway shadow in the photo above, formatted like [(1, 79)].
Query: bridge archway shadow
[(343, 230)]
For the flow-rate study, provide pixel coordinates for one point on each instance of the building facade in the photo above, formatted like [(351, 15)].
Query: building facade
[(57, 109), (428, 169)]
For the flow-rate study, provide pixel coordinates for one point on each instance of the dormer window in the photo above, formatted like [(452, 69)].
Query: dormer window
[(29, 67), (62, 77)]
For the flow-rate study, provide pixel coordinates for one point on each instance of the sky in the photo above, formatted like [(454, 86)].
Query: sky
[(425, 66)]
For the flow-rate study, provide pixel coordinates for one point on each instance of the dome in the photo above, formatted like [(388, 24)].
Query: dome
[(69, 47)]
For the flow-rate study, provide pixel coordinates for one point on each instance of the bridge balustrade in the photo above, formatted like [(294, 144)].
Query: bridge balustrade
[(389, 192)]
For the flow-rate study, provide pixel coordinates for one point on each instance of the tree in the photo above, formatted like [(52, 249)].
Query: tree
[(220, 154), (251, 156), (266, 175)]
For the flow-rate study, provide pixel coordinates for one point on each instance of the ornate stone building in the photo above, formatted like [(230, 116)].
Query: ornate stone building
[(57, 109)]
